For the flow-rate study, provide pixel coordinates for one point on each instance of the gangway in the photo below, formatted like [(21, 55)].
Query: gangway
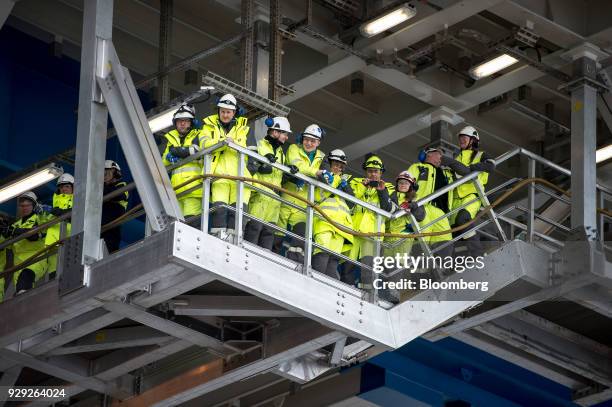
[(181, 288)]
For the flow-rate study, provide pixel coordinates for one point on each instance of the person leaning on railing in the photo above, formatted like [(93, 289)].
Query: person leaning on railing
[(262, 206), (470, 159), (324, 233), (227, 124), (403, 199), (113, 208), (375, 191), (430, 177), (181, 142), (304, 157), (62, 203), (28, 218)]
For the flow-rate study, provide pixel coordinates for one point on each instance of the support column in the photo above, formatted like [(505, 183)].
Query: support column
[(248, 42), (440, 131), (276, 50), (91, 129), (165, 46), (261, 68), (584, 90)]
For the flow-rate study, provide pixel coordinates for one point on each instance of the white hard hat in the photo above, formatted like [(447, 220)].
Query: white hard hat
[(337, 155), (279, 123), (228, 101), (313, 131), (65, 179), (184, 112), (110, 164), (469, 131), (28, 195)]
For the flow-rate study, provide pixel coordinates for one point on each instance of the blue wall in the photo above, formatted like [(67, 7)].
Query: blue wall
[(38, 111), (424, 373)]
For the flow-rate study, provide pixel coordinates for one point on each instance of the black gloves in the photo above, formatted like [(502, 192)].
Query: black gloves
[(181, 152), (58, 211), (294, 169), (271, 157), (264, 169), (33, 238)]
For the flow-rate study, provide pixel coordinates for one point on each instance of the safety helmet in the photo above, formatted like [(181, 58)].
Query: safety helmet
[(279, 123), (184, 112), (313, 131), (110, 164), (337, 155), (373, 161), (28, 195), (406, 176), (65, 179), (469, 131), (228, 101)]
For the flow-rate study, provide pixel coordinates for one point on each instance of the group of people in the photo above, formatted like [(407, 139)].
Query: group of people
[(433, 172), (31, 214)]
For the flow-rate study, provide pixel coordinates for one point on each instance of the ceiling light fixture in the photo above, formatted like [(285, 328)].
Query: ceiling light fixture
[(603, 154), (492, 66), (30, 181), (387, 20), (162, 120)]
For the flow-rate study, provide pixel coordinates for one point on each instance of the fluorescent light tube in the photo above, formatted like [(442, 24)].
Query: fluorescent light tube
[(162, 120), (603, 154), (387, 20), (30, 182), (491, 66)]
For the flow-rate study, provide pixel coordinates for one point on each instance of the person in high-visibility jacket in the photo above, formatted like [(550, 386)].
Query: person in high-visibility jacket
[(115, 207), (375, 191), (62, 203), (261, 206), (227, 124), (431, 177), (5, 223), (470, 159), (182, 142), (24, 279), (306, 158), (326, 234), (403, 199)]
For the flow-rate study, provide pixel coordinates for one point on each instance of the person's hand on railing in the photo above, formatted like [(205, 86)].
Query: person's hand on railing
[(299, 183), (270, 157), (343, 184), (40, 208), (172, 158), (193, 149), (180, 152), (409, 206), (327, 176), (293, 168)]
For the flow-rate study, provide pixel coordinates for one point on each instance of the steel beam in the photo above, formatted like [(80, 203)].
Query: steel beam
[(91, 128), (5, 10), (139, 314), (275, 45), (114, 338), (584, 137), (138, 144), (225, 305), (119, 363), (282, 347), (164, 48), (247, 45), (75, 373), (549, 347), (8, 379)]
